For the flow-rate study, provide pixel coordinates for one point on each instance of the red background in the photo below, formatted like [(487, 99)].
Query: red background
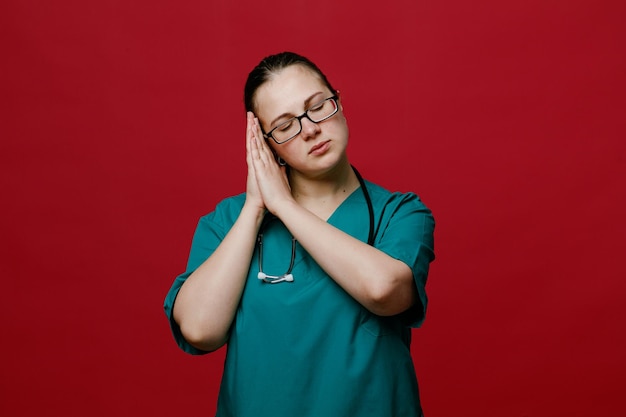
[(122, 123)]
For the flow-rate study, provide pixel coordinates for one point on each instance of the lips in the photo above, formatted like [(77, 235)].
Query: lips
[(319, 147)]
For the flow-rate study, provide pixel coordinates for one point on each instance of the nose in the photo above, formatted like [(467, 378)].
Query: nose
[(309, 129)]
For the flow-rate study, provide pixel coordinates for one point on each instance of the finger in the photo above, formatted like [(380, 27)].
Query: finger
[(263, 145), (257, 127), (249, 148), (248, 134), (250, 129), (252, 141), (259, 143), (259, 133)]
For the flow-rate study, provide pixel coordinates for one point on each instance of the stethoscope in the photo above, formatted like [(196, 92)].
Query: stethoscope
[(288, 276)]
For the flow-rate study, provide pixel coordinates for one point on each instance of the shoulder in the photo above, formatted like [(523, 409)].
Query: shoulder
[(225, 212), (390, 201), (405, 225)]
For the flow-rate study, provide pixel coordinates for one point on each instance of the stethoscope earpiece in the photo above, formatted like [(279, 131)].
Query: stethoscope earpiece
[(274, 279)]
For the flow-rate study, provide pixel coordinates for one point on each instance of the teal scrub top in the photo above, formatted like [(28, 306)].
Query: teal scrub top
[(307, 348)]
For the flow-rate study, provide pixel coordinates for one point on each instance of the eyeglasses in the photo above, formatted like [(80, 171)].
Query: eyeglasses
[(317, 113)]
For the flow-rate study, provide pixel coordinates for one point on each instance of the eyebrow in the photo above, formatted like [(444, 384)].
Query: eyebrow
[(307, 102)]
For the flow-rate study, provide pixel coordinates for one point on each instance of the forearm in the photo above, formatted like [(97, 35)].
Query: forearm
[(379, 282), (207, 302)]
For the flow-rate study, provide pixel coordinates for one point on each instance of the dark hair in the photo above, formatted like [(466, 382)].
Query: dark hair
[(272, 65)]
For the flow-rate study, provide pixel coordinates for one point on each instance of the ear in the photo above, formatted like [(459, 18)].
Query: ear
[(339, 100)]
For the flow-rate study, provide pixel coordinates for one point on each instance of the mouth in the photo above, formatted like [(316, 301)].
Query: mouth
[(320, 147)]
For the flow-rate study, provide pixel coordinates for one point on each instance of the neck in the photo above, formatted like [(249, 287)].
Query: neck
[(336, 181), (322, 194)]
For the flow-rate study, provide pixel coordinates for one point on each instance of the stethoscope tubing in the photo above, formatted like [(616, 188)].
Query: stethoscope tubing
[(288, 276)]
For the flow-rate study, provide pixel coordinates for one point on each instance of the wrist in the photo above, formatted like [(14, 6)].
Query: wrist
[(252, 212), (282, 208)]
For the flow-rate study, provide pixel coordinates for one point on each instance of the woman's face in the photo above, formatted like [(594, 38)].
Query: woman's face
[(318, 147)]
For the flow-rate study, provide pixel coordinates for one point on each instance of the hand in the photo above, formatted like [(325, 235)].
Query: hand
[(271, 179), (253, 194)]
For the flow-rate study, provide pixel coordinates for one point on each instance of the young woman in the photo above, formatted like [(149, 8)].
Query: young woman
[(313, 277)]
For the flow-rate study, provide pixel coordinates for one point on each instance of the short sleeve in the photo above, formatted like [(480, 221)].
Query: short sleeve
[(406, 233), (209, 233)]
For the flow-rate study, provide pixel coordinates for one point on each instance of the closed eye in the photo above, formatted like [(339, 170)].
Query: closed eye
[(283, 127), (318, 106)]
